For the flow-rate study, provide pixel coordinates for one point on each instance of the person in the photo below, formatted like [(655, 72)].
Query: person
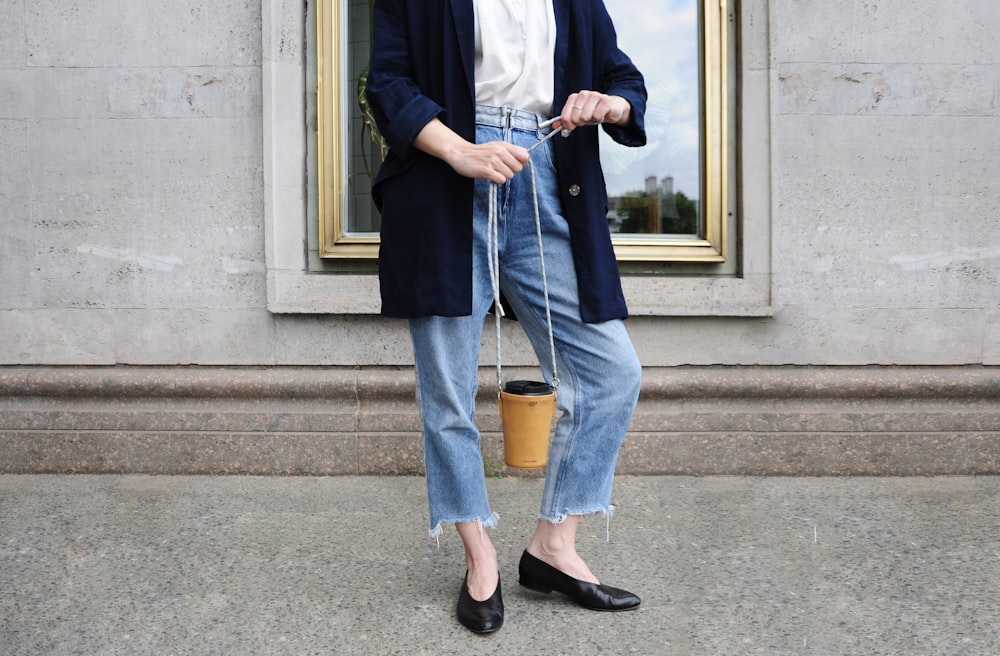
[(460, 90)]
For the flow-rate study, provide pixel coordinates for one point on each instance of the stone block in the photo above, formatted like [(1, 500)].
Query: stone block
[(815, 334), (934, 149), (876, 212), (154, 415), (856, 237), (148, 214), (296, 291), (720, 296), (18, 243), (284, 38), (131, 92), (385, 402), (845, 336), (991, 341), (184, 92), (892, 30), (693, 340), (755, 30), (34, 94), (755, 172), (341, 340), (827, 454), (86, 33), (195, 336), (285, 150), (395, 454), (57, 337), (13, 51), (886, 89), (167, 454)]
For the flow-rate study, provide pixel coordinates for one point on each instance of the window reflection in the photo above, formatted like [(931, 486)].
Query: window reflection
[(364, 154), (655, 190)]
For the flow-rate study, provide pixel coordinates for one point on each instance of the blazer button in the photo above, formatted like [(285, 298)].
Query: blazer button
[(574, 190)]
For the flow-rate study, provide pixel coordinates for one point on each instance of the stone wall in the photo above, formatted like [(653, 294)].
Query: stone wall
[(132, 192), (130, 183), (886, 245)]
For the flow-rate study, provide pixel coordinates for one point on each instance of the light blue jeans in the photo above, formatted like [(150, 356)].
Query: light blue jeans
[(598, 368)]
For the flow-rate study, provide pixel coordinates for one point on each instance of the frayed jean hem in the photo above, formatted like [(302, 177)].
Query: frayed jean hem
[(489, 522), (605, 511)]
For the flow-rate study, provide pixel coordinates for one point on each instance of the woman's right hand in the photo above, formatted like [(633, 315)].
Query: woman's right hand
[(496, 161)]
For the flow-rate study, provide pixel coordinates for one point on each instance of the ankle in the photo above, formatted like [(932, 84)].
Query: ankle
[(479, 550), (551, 543), (547, 549), (481, 558)]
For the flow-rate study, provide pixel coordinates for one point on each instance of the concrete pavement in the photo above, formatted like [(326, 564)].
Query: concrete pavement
[(123, 565)]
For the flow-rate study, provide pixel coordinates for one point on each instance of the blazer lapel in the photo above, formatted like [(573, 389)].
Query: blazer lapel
[(464, 18), (562, 10)]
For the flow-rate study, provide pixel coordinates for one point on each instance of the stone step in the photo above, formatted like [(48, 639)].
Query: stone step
[(334, 421)]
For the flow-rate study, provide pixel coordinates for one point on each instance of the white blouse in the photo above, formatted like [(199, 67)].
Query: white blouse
[(515, 48)]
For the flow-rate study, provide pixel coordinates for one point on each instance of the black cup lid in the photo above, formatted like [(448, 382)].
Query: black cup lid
[(527, 387)]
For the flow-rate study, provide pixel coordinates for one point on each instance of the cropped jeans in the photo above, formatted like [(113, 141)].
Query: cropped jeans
[(598, 369)]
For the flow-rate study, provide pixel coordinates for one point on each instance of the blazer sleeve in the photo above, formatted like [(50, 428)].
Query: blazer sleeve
[(399, 108), (618, 76)]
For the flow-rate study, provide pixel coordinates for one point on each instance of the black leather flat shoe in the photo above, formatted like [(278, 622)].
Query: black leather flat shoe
[(542, 577), (480, 616)]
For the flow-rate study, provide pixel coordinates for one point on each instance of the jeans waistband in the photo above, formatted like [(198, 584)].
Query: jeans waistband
[(502, 117)]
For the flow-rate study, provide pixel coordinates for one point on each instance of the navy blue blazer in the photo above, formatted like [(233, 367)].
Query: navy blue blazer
[(422, 67)]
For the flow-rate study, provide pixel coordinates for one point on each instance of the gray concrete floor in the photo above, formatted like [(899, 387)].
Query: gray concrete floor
[(210, 565)]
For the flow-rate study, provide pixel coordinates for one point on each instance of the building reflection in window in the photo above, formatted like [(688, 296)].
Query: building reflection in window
[(655, 189)]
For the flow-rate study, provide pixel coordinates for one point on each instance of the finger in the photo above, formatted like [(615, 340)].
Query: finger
[(601, 114), (520, 155), (509, 166), (583, 110), (585, 104), (570, 111), (508, 153), (613, 111), (499, 173), (505, 159)]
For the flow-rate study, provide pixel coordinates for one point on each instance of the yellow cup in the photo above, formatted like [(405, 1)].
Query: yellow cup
[(526, 410)]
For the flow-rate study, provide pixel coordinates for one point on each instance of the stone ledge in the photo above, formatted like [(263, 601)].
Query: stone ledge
[(331, 421)]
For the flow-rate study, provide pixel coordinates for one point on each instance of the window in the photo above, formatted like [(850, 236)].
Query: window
[(300, 281), (668, 201)]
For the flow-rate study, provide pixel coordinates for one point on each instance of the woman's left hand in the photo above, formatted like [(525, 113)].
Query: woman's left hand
[(592, 107)]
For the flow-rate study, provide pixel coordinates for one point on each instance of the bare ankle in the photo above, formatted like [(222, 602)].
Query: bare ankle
[(479, 549), (552, 539)]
